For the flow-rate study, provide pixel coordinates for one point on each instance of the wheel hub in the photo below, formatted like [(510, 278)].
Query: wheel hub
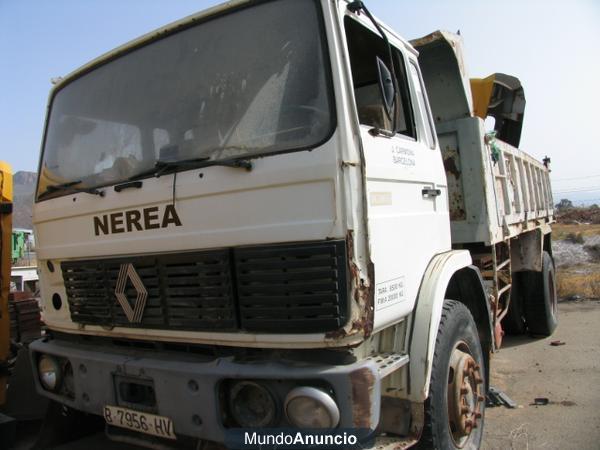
[(465, 395)]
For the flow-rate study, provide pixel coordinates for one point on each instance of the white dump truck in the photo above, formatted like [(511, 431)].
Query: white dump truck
[(279, 215)]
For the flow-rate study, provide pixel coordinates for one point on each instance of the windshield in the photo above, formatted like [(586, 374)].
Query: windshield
[(252, 82)]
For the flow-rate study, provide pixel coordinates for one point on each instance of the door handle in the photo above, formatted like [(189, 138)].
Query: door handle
[(430, 192)]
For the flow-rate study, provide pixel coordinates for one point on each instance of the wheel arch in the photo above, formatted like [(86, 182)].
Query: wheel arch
[(448, 275)]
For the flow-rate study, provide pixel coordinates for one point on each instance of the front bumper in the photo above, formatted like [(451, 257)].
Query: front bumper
[(356, 386)]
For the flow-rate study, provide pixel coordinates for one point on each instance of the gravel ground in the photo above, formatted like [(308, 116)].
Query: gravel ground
[(567, 253), (568, 375)]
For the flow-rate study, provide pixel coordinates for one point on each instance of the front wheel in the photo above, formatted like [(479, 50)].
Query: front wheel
[(454, 411)]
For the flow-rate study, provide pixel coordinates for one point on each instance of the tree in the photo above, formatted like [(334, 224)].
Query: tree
[(564, 204)]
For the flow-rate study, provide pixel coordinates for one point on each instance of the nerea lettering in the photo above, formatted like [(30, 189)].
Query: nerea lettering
[(132, 219), (170, 216), (136, 220), (101, 225), (116, 223), (151, 218)]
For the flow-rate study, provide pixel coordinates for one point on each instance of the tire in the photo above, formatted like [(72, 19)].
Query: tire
[(514, 321), (541, 303), (457, 379)]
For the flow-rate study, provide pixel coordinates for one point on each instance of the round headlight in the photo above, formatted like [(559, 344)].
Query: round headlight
[(49, 372), (309, 407), (252, 405)]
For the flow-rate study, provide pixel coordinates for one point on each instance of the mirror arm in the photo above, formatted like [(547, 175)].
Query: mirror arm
[(381, 132), (356, 7)]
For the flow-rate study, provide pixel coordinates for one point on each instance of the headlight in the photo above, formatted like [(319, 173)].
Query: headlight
[(252, 405), (309, 407), (49, 372)]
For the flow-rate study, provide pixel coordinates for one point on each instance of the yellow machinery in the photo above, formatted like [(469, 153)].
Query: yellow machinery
[(502, 97), (20, 402), (6, 196), (481, 89)]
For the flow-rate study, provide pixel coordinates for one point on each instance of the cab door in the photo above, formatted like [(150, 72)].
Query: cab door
[(408, 218)]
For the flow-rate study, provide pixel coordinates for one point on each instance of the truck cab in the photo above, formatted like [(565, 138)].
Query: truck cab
[(242, 222)]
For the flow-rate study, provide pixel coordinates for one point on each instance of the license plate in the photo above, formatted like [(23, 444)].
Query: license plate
[(139, 421)]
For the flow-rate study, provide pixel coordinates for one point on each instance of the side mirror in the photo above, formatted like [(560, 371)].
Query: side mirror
[(386, 87)]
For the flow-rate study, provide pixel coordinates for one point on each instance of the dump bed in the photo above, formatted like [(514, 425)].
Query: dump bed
[(496, 191)]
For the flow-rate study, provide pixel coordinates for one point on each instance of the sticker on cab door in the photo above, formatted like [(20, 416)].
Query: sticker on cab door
[(389, 293), (403, 156)]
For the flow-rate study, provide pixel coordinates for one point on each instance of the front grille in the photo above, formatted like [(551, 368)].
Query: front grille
[(186, 291), (298, 288)]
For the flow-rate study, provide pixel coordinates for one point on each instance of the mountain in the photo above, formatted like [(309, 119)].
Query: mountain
[(23, 187), (24, 178)]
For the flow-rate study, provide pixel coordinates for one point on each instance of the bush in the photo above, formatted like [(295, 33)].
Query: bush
[(575, 238), (594, 251)]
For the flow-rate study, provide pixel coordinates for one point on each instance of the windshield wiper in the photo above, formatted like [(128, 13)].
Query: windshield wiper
[(241, 162), (161, 167), (70, 186)]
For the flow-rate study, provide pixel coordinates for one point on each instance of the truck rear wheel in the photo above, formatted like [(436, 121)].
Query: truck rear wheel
[(454, 411), (541, 305)]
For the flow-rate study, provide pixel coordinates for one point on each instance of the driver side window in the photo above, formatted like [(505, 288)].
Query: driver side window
[(364, 47)]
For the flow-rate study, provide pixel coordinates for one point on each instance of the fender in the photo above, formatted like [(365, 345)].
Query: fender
[(426, 318)]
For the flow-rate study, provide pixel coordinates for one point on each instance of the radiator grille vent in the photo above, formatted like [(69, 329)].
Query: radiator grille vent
[(186, 291), (291, 288), (282, 288)]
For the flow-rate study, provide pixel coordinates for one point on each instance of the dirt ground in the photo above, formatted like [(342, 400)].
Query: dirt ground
[(568, 375)]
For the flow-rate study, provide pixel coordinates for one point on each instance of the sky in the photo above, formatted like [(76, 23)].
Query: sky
[(551, 46)]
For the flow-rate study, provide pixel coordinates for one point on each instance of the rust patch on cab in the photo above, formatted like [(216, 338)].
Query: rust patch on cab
[(362, 295)]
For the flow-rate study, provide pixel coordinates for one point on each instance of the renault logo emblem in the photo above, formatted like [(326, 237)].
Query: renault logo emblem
[(134, 315)]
